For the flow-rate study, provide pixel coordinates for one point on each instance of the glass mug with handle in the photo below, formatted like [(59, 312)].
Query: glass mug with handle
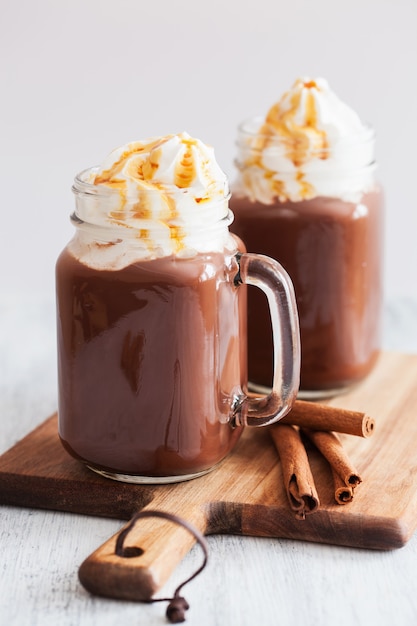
[(151, 316)]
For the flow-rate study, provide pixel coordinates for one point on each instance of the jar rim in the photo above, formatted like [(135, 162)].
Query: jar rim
[(105, 208), (79, 221)]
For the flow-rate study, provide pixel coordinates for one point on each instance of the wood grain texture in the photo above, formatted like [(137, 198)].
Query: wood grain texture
[(246, 493), (248, 579)]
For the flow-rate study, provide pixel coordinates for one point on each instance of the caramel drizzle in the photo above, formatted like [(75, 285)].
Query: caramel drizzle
[(142, 161), (299, 140), (297, 137), (109, 176), (185, 170)]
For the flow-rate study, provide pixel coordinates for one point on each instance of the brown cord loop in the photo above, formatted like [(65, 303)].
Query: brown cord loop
[(177, 604)]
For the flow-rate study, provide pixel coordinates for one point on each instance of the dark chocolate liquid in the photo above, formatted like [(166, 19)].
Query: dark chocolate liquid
[(332, 251), (149, 359)]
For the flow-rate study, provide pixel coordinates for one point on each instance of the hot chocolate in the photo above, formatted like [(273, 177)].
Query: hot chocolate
[(332, 251), (141, 351), (306, 195), (151, 304)]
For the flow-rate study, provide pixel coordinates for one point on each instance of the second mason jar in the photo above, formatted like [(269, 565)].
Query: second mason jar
[(306, 194)]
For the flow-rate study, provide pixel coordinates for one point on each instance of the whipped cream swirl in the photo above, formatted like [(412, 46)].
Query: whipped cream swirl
[(309, 144), (158, 197)]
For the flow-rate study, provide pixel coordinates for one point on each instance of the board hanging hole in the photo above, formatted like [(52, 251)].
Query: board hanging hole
[(178, 605)]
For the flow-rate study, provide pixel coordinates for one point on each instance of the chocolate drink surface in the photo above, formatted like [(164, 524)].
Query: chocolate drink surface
[(141, 351), (332, 251)]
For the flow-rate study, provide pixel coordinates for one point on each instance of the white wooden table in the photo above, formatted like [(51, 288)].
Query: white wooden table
[(248, 580)]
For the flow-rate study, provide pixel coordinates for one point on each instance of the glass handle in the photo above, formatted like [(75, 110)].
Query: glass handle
[(269, 276)]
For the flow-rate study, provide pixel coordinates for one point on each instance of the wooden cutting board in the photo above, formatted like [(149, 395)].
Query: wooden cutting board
[(245, 494)]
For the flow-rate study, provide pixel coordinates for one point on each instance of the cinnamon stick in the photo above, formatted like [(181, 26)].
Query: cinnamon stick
[(342, 493), (331, 448), (316, 416), (298, 479)]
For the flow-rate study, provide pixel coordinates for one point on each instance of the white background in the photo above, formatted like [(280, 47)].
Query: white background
[(81, 77)]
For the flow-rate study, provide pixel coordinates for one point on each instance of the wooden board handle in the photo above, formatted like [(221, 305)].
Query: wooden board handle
[(152, 549)]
